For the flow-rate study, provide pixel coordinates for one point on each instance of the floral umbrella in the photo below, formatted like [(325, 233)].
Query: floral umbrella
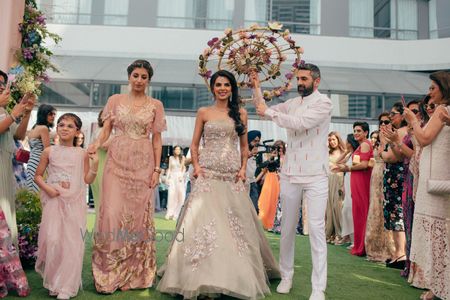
[(260, 49)]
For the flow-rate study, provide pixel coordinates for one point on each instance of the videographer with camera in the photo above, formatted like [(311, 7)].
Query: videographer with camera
[(304, 173), (254, 173), (269, 159)]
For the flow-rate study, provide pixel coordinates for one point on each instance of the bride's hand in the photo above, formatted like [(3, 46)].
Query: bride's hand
[(241, 175), (198, 172)]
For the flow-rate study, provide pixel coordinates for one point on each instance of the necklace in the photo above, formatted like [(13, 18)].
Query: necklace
[(134, 103)]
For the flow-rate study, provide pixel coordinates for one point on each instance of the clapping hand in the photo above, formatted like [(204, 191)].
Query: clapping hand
[(409, 116), (390, 134)]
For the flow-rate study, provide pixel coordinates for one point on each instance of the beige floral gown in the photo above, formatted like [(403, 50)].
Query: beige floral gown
[(220, 246), (123, 254)]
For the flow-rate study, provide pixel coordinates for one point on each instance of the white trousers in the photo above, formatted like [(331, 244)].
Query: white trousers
[(315, 194)]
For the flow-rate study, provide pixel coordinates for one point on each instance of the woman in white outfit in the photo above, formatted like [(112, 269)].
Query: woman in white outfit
[(176, 182)]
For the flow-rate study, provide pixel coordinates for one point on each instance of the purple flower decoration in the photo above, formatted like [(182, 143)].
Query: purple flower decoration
[(289, 76), (298, 63), (252, 36), (272, 39), (212, 41), (44, 77), (207, 75), (28, 53), (41, 19)]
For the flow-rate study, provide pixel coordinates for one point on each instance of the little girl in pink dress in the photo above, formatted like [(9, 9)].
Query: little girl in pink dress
[(63, 198)]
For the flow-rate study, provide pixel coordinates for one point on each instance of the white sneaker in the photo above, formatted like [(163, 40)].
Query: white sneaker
[(317, 295), (285, 286)]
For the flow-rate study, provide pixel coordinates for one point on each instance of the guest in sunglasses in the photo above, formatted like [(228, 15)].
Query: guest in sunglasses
[(431, 236), (378, 241), (395, 134), (429, 105)]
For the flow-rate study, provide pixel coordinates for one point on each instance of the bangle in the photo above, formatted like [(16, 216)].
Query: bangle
[(158, 170), (14, 119), (399, 144), (93, 172)]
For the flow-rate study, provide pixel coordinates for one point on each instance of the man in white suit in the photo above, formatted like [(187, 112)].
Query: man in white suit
[(304, 173)]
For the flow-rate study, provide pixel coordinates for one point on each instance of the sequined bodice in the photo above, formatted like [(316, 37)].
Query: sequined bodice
[(220, 156), (134, 124)]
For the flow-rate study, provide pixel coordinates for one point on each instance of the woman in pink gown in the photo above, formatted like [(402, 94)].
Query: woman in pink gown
[(124, 254)]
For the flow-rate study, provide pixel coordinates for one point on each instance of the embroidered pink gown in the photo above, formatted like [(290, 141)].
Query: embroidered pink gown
[(219, 246), (123, 255), (63, 224)]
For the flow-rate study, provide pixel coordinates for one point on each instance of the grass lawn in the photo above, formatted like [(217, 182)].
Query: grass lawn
[(349, 277)]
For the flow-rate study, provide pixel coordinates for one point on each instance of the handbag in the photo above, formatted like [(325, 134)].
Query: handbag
[(436, 186), (22, 155)]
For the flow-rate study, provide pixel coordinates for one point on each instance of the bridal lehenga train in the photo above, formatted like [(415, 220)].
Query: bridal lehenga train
[(220, 247)]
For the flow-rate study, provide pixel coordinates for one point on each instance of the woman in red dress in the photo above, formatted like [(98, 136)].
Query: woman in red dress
[(360, 184)]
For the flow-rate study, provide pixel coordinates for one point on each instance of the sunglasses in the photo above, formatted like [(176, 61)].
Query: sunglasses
[(385, 122), (393, 113), (430, 106), (415, 111)]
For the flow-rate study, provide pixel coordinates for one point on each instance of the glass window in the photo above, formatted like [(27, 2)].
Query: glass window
[(71, 11), (176, 13), (299, 16), (102, 91), (256, 11), (433, 19), (219, 14), (175, 97), (66, 93), (395, 19), (116, 12), (382, 18), (404, 19), (361, 18), (356, 106)]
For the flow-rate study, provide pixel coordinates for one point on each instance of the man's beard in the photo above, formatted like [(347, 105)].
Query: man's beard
[(305, 91)]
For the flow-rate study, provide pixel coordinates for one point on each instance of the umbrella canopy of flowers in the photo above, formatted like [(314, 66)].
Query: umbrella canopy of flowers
[(260, 49), (33, 57)]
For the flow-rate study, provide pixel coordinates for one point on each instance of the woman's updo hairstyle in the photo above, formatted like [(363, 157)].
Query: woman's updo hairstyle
[(140, 63)]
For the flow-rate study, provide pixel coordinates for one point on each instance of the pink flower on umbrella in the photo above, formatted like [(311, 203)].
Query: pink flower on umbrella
[(206, 74), (289, 76), (213, 41)]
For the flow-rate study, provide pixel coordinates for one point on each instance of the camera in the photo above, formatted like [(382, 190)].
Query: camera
[(269, 157)]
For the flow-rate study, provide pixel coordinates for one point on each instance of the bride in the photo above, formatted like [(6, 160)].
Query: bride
[(224, 250)]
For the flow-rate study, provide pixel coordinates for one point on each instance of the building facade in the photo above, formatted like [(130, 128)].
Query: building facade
[(371, 52)]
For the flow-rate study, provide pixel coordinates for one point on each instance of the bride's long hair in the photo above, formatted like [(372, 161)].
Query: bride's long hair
[(233, 102)]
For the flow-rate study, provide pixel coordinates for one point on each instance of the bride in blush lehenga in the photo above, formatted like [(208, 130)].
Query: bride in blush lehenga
[(224, 250)]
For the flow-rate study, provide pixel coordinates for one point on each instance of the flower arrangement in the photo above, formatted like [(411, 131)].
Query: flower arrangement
[(33, 57), (28, 215), (260, 49)]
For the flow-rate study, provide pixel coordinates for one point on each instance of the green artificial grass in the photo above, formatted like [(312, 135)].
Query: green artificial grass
[(349, 277)]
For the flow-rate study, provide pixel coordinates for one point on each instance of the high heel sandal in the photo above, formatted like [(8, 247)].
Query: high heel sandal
[(397, 263)]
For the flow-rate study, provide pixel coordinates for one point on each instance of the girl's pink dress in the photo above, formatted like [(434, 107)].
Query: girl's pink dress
[(124, 252), (62, 230)]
